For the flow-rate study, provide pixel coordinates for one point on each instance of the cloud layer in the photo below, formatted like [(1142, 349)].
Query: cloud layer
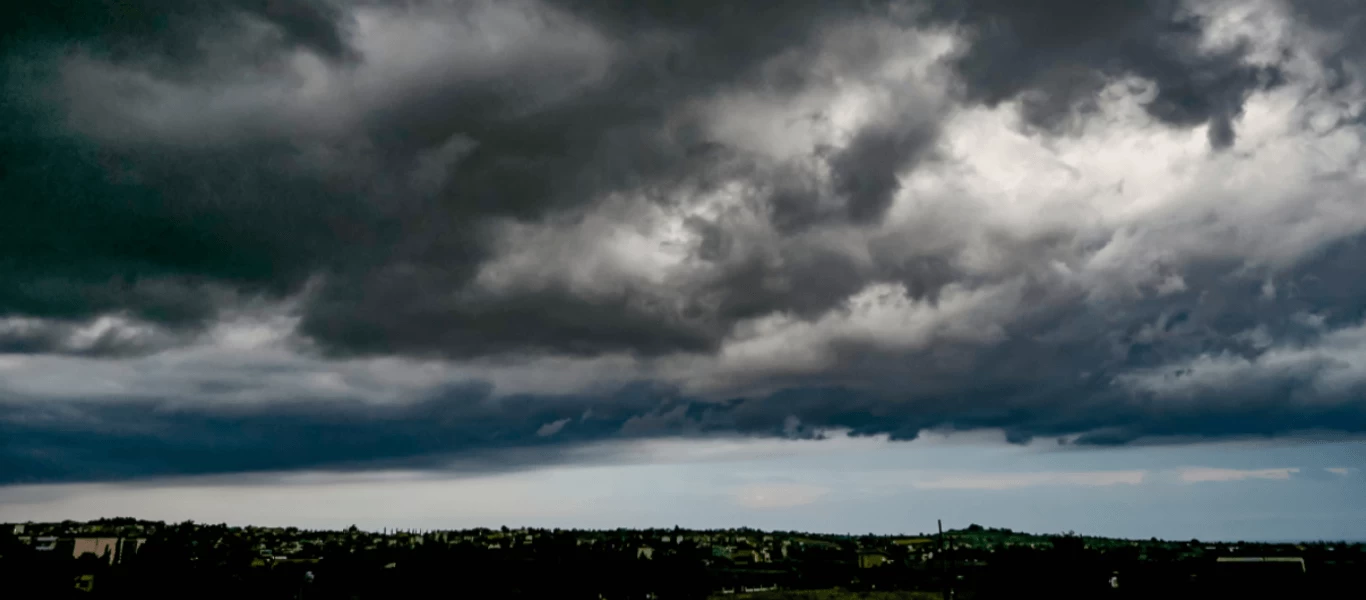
[(246, 236)]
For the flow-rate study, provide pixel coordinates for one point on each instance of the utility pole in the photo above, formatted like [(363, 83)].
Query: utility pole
[(946, 569)]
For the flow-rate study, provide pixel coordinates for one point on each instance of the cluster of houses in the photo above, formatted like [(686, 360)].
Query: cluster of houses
[(103, 545), (748, 557), (118, 540)]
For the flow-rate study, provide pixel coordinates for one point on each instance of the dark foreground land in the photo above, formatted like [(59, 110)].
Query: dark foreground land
[(125, 558), (832, 594)]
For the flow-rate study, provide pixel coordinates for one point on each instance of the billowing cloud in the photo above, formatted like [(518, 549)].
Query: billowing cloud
[(1055, 56), (251, 236)]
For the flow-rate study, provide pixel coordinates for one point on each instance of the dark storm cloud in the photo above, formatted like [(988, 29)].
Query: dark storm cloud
[(1341, 18), (92, 221), (133, 439), (1065, 370), (165, 233), (865, 175), (166, 162), (1062, 380), (106, 339), (1055, 55), (464, 428), (76, 241), (550, 319), (539, 140), (866, 171), (172, 31), (808, 282)]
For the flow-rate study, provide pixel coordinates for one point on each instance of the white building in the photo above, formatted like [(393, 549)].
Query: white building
[(99, 546)]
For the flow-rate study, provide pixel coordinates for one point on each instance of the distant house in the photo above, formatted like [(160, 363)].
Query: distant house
[(645, 552), (868, 560), (102, 547), (747, 557)]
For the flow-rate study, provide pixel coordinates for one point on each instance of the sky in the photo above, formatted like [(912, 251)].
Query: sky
[(1048, 264)]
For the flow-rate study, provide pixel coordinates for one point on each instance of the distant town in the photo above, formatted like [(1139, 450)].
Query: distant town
[(127, 556)]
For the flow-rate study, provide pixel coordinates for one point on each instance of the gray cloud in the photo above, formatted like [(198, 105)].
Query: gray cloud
[(1056, 55), (1341, 21), (884, 218), (175, 32), (465, 428), (557, 125), (866, 171), (103, 337), (266, 214)]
